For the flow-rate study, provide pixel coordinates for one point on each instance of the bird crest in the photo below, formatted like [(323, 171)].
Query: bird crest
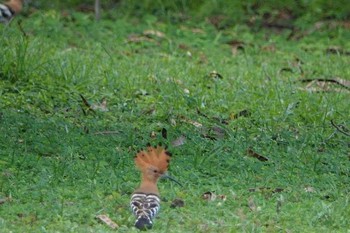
[(157, 158)]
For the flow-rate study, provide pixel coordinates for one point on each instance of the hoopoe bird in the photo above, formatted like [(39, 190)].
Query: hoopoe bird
[(9, 9), (145, 201)]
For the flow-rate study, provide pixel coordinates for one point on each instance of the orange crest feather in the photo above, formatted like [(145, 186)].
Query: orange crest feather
[(153, 157)]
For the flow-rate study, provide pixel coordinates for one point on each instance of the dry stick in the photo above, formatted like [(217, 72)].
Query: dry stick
[(86, 103), (19, 23), (335, 80), (339, 129), (97, 9), (106, 132)]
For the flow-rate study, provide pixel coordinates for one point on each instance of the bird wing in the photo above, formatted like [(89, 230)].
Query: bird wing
[(145, 207)]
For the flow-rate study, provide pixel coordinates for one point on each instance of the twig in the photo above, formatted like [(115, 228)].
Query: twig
[(106, 132), (97, 10), (86, 103), (19, 23), (341, 82), (339, 129)]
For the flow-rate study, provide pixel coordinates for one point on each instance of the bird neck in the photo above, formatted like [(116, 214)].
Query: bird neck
[(15, 5), (148, 185)]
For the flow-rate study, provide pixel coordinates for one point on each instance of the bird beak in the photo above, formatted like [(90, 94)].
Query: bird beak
[(165, 175)]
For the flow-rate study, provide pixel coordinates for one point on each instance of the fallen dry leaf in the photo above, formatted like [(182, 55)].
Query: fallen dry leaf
[(222, 197), (213, 133), (105, 219), (134, 38), (236, 46), (243, 113), (251, 204), (269, 48), (215, 75), (153, 33), (217, 20), (102, 106), (153, 134), (266, 189), (197, 31), (218, 131), (193, 30), (240, 213), (177, 202), (309, 189), (326, 84), (209, 196), (179, 141), (189, 121), (253, 154), (184, 47), (338, 50)]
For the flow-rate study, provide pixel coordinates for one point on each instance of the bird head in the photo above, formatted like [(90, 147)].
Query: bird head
[(153, 163)]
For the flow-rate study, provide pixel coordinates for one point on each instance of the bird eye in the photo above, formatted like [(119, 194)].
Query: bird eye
[(155, 171)]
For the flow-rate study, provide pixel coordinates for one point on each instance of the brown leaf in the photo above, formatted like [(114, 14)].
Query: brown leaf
[(243, 113), (177, 202), (215, 75), (213, 133), (278, 190), (218, 132), (209, 196), (197, 31), (153, 134), (240, 213), (184, 47), (251, 204), (105, 219), (222, 197), (156, 33), (266, 189), (338, 50), (253, 154), (134, 38), (193, 30), (102, 106), (269, 48), (236, 46), (189, 121), (216, 20), (309, 189)]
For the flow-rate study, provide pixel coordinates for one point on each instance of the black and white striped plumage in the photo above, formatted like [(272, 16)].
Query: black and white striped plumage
[(145, 207), (6, 13)]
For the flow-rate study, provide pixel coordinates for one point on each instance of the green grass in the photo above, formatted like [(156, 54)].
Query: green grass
[(57, 174)]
